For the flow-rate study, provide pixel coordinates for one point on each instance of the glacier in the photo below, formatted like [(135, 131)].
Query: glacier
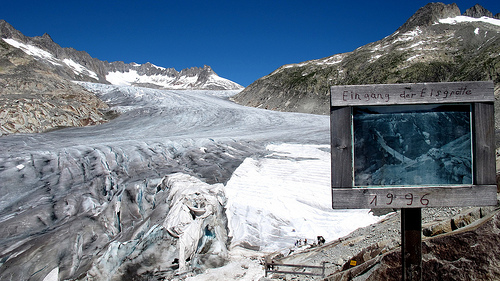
[(183, 184)]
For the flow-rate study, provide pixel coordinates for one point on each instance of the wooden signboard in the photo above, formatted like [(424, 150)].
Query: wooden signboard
[(413, 145)]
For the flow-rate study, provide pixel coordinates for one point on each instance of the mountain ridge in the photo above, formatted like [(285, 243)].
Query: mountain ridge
[(426, 48), (95, 70)]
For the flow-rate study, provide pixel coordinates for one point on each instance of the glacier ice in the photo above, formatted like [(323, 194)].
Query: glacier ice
[(187, 232), (144, 195)]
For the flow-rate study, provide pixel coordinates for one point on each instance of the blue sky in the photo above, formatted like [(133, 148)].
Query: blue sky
[(240, 40)]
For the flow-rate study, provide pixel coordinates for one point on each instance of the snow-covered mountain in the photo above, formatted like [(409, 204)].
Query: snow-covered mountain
[(80, 66), (37, 92), (436, 44), (152, 76)]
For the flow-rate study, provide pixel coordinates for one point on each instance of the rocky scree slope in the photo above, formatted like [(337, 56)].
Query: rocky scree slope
[(427, 48), (34, 98)]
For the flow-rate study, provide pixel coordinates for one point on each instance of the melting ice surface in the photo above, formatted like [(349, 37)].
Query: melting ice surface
[(285, 196), (161, 190)]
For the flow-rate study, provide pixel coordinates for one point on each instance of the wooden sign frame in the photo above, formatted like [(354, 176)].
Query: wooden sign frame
[(483, 190)]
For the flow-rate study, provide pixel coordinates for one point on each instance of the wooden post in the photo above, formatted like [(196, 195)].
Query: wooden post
[(411, 243)]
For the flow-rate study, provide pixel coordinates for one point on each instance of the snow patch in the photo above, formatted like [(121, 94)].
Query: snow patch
[(158, 67), (80, 69), (122, 78), (374, 58), (33, 51), (465, 19), (336, 59), (53, 275), (414, 57), (42, 54), (408, 36)]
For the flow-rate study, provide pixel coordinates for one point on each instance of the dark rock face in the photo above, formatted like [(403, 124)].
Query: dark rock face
[(421, 50), (430, 14), (478, 11)]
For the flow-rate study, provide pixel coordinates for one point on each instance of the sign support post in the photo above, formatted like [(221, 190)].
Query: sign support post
[(411, 243)]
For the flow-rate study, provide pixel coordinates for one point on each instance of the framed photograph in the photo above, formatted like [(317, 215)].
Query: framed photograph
[(413, 145)]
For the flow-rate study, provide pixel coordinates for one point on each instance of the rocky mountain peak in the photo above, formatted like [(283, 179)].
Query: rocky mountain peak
[(193, 70), (46, 36), (429, 14), (477, 11), (8, 31)]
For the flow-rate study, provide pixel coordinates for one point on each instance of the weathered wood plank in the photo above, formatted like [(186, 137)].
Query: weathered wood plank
[(484, 143), (412, 93), (414, 197), (341, 146)]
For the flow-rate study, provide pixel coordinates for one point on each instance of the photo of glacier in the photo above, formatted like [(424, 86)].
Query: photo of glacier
[(419, 145)]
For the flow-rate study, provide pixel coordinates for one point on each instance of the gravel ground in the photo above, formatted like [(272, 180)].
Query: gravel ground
[(385, 235)]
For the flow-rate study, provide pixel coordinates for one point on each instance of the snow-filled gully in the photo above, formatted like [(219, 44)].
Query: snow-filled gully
[(172, 188)]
